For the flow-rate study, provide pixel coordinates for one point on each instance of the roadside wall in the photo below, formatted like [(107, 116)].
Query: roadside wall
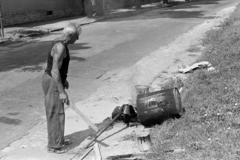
[(22, 11)]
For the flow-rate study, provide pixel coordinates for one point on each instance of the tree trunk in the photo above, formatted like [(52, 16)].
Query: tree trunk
[(1, 22), (100, 7), (138, 4), (165, 1), (88, 8)]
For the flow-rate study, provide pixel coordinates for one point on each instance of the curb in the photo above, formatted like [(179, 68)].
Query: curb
[(81, 24), (3, 40)]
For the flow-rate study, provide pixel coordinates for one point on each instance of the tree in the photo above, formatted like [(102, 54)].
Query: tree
[(100, 7), (138, 4), (1, 23), (165, 1), (88, 8)]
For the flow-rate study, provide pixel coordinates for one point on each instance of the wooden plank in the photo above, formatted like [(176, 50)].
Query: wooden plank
[(86, 153), (93, 126), (102, 130), (97, 152), (1, 22)]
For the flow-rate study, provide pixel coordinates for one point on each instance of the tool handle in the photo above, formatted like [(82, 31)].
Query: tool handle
[(101, 131), (86, 153), (93, 126)]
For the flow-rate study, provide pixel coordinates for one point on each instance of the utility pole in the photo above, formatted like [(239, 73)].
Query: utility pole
[(1, 20)]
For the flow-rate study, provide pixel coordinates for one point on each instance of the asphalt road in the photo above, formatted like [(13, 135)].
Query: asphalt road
[(104, 47)]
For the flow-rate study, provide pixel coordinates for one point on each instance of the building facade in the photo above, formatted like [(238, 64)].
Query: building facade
[(23, 11)]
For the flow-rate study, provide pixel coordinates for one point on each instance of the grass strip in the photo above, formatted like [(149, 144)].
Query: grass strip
[(210, 128)]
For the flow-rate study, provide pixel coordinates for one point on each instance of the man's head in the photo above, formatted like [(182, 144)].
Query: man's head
[(72, 31)]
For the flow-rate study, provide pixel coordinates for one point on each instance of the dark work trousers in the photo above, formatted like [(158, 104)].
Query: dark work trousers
[(54, 112)]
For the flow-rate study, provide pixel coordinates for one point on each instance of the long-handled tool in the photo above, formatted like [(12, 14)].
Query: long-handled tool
[(97, 152), (97, 135), (102, 130), (93, 126)]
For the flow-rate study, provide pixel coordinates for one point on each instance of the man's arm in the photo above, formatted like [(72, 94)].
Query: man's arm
[(58, 53)]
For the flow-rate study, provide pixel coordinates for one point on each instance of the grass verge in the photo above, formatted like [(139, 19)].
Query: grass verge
[(210, 128)]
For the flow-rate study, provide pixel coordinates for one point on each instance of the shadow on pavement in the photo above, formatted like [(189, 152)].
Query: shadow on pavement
[(176, 10), (89, 134), (78, 46), (30, 56), (192, 4), (114, 133), (79, 137), (10, 121)]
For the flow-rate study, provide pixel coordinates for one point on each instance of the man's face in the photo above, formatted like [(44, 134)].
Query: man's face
[(73, 39)]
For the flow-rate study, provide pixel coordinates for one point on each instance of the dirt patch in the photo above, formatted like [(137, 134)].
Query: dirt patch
[(10, 121)]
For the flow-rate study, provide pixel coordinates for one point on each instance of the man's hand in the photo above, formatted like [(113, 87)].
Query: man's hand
[(64, 97), (66, 84)]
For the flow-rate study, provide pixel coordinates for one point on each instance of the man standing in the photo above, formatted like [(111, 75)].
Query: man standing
[(54, 83)]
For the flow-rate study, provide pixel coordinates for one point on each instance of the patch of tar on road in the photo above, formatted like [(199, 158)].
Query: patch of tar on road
[(107, 75), (13, 113), (35, 68), (15, 44), (31, 106), (98, 77), (10, 121)]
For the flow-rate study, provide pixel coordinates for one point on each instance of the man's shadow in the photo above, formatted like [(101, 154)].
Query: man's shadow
[(89, 134)]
